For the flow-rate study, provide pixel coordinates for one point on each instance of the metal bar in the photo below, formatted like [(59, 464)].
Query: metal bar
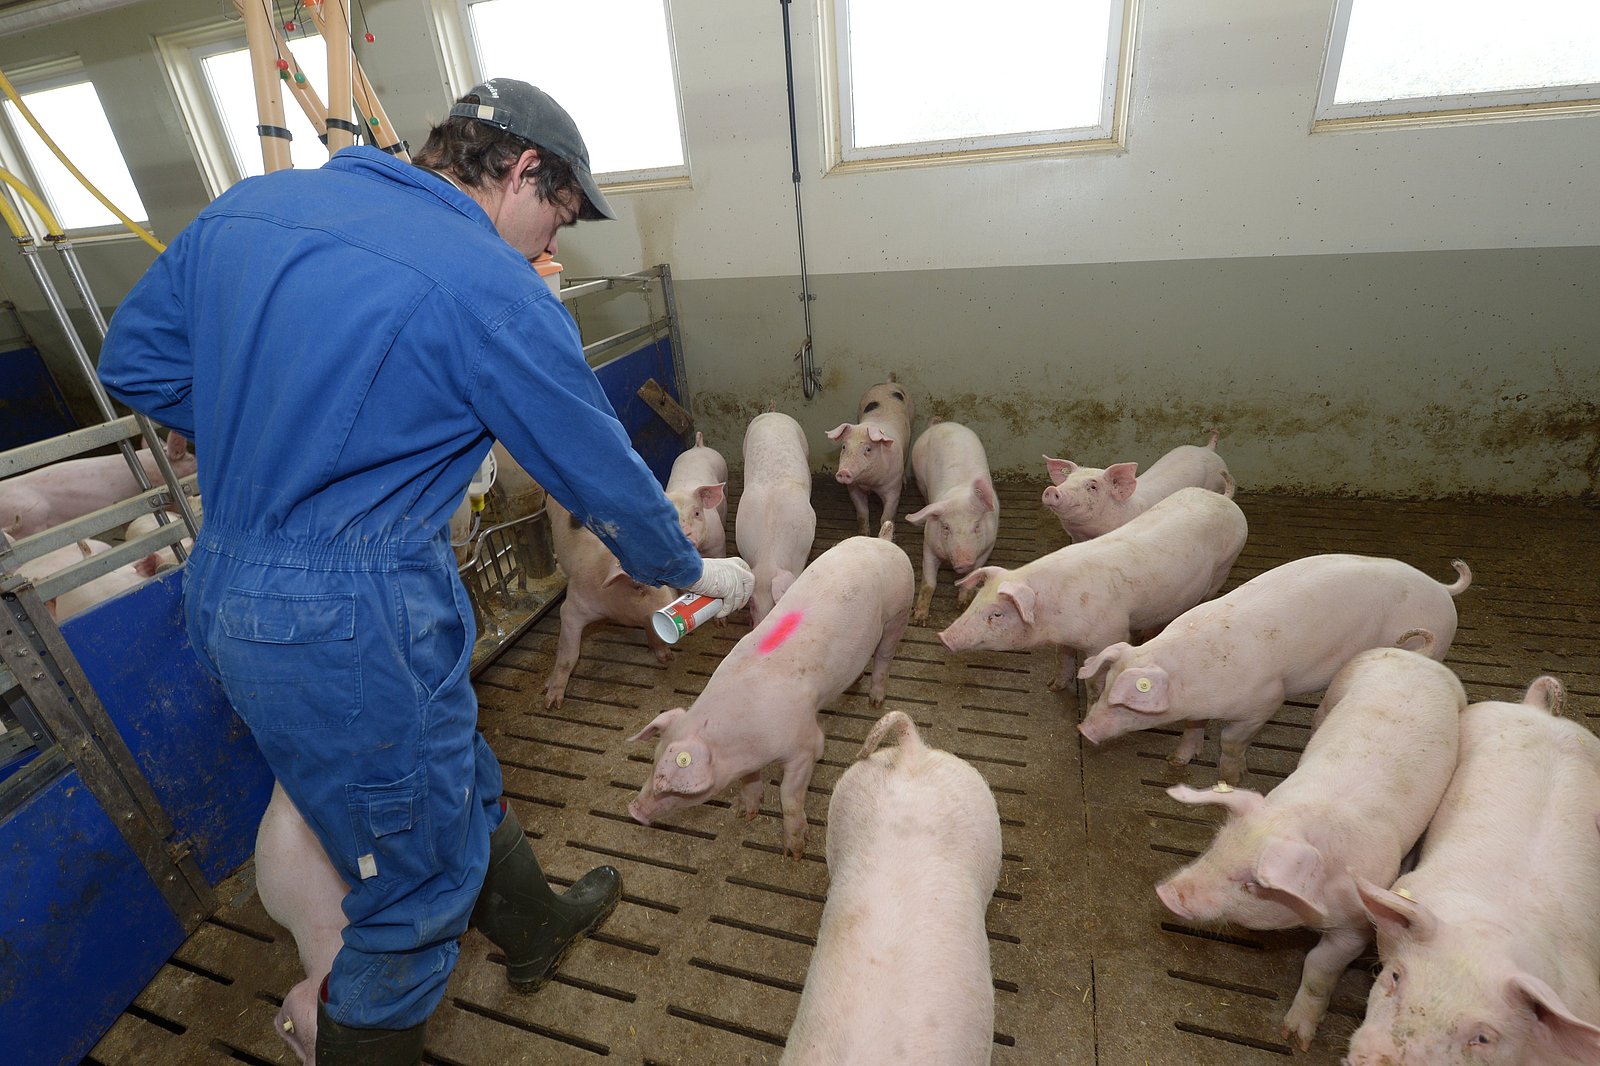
[(78, 574), (90, 525), (41, 453), (675, 338), (33, 649), (602, 346)]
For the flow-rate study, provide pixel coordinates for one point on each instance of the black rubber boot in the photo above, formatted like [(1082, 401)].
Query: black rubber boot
[(526, 919), (344, 1045)]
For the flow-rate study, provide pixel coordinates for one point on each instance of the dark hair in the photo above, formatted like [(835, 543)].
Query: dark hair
[(476, 153)]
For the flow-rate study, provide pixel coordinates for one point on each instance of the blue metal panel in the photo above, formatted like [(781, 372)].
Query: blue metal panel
[(83, 930), (621, 378), (31, 406), (198, 756)]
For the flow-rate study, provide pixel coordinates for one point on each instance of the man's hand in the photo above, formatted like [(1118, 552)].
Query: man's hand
[(728, 580)]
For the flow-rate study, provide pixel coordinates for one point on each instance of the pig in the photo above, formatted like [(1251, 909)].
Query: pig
[(1091, 503), (302, 892), (1372, 774), (63, 491), (1282, 633), (872, 451), (1491, 945), (1086, 597), (97, 590), (847, 609), (775, 523), (963, 512), (901, 972), (598, 590), (697, 488), (149, 523)]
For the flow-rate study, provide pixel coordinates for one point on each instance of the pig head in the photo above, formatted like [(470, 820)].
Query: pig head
[(1137, 695), (961, 528), (1000, 617), (1089, 501), (1446, 996), (686, 772), (1251, 875)]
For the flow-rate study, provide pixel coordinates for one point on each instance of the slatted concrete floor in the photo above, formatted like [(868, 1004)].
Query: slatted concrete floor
[(704, 961)]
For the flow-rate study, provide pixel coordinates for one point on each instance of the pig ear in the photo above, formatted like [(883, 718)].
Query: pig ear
[(148, 566), (659, 725), (979, 577), (876, 434), (1293, 868), (1103, 659), (685, 768), (983, 492), (1558, 1027), (710, 495), (615, 575), (1122, 479), (1059, 469), (1141, 688), (177, 447), (1238, 802), (840, 430), (1022, 595), (1396, 916), (926, 513)]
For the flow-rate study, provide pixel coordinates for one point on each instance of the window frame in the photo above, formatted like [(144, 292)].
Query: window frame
[(463, 62), (1499, 105), (55, 74), (1109, 135)]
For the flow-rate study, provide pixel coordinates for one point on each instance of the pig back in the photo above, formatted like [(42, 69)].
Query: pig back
[(1164, 561), (824, 631), (775, 522), (947, 456), (1184, 466), (901, 970)]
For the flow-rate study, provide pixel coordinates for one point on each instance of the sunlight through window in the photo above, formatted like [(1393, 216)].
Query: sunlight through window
[(75, 121)]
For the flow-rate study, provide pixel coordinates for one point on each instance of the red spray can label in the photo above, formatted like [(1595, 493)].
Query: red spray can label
[(682, 615)]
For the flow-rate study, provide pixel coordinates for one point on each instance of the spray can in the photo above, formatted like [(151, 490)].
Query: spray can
[(682, 615)]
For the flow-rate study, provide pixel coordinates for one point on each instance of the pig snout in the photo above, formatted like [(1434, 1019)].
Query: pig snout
[(639, 812), (944, 638), (1052, 497), (1173, 898), (845, 476), (1096, 728)]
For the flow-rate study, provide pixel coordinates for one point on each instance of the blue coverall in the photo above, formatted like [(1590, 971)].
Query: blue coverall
[(341, 345)]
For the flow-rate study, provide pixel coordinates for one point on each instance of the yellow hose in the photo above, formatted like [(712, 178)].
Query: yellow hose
[(52, 228), (14, 222), (142, 233)]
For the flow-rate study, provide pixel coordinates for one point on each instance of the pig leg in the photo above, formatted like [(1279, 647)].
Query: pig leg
[(882, 657), (301, 891), (1325, 963), (891, 500), (1067, 671), (796, 779), (662, 649), (749, 803), (930, 581), (858, 496), (1236, 737), (573, 621), (1194, 735)]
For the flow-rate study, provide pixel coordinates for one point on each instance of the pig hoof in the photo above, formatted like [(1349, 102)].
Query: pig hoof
[(664, 656), (1178, 758), (553, 699), (1057, 685), (920, 618)]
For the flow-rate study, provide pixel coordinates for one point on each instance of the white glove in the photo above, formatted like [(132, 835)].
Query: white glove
[(728, 580)]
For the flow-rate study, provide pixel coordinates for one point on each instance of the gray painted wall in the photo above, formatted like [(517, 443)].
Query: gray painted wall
[(1401, 311)]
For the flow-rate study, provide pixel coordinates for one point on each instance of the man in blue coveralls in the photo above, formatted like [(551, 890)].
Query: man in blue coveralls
[(342, 344)]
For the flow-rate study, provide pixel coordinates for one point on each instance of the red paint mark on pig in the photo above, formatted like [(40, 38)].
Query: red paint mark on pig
[(781, 632)]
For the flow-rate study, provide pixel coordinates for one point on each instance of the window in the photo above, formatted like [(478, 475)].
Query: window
[(209, 70), (69, 109), (932, 78), (1421, 57), (624, 98)]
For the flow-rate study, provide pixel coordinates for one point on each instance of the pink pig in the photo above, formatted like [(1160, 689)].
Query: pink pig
[(963, 512), (598, 590), (849, 608), (1091, 502), (696, 488), (1370, 778), (1491, 946), (775, 524), (1086, 597), (872, 452), (913, 859), (302, 892), (63, 491), (1283, 633), (97, 590)]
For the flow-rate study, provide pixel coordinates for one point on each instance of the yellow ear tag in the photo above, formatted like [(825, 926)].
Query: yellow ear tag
[(1144, 684), (1405, 893), (684, 758), (1222, 786)]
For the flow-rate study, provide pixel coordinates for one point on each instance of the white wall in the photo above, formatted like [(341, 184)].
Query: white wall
[(1394, 311)]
